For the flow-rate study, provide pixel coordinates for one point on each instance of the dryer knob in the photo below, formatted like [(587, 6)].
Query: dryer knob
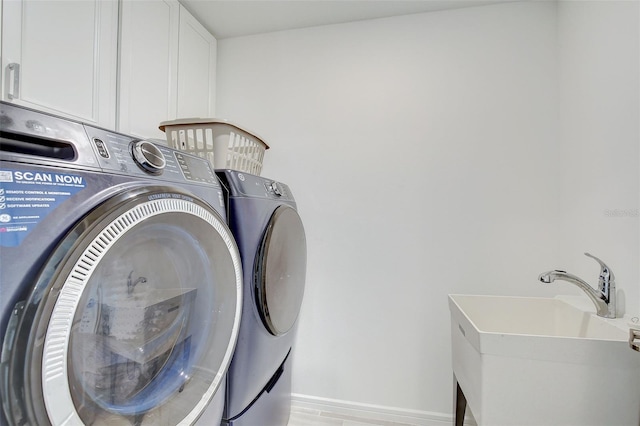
[(277, 190), (148, 156)]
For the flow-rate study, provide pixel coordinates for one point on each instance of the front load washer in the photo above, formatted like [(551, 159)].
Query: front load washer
[(121, 284), (263, 218)]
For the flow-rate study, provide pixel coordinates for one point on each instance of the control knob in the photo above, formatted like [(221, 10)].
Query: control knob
[(148, 157), (276, 188)]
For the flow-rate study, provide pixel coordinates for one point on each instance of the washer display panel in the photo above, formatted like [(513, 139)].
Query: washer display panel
[(280, 270), (146, 315)]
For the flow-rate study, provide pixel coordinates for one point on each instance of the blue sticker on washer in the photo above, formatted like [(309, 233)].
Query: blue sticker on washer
[(27, 197)]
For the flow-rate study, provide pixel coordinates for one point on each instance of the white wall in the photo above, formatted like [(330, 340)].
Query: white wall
[(425, 156), (599, 45)]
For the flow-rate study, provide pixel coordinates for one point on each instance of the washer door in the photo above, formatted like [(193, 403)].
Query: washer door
[(279, 271), (134, 318)]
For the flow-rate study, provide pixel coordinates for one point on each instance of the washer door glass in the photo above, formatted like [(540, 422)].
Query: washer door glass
[(146, 316), (280, 269)]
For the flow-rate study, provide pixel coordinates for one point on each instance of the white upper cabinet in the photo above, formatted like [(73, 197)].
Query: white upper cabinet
[(167, 67), (196, 69), (148, 66), (61, 57)]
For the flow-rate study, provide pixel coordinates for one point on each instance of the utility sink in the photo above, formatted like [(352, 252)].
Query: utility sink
[(542, 361)]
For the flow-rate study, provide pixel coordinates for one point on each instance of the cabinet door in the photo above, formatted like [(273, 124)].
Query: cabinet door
[(196, 69), (61, 57), (149, 66)]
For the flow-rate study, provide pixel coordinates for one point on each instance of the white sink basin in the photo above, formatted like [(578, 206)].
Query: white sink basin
[(542, 361)]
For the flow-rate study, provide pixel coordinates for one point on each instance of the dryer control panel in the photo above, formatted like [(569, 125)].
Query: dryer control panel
[(248, 185)]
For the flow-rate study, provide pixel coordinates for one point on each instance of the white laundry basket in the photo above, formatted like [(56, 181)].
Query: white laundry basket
[(224, 144)]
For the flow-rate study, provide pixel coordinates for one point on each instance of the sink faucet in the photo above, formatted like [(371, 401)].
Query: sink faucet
[(604, 298)]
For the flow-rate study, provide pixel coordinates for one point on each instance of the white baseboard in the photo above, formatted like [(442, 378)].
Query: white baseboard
[(369, 411)]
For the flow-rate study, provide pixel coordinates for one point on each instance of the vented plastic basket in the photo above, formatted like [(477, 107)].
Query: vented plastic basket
[(224, 144)]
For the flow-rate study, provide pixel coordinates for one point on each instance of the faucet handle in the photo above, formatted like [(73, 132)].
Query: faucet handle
[(606, 280), (605, 271)]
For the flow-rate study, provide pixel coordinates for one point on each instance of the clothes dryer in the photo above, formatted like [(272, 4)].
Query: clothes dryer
[(121, 283), (263, 218)]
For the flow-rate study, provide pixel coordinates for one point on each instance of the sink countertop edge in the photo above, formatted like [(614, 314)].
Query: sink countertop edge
[(575, 350)]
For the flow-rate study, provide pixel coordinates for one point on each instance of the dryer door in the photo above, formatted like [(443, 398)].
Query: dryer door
[(279, 271), (134, 318)]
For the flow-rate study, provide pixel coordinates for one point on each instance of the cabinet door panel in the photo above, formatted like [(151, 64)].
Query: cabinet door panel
[(66, 51), (196, 69), (148, 73)]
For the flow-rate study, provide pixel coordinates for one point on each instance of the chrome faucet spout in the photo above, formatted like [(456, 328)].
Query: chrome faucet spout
[(604, 298)]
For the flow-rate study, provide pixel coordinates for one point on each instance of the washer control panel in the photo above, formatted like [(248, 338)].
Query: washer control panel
[(123, 154), (194, 168)]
